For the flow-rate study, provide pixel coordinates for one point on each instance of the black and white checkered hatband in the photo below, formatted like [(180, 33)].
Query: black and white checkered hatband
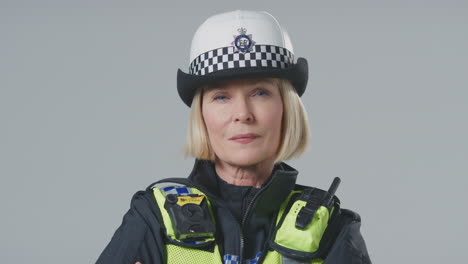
[(229, 58)]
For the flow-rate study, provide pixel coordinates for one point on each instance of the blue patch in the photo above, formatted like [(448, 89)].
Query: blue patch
[(231, 259), (177, 190), (255, 260), (234, 259)]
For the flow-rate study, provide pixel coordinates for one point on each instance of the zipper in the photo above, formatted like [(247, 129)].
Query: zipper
[(244, 218)]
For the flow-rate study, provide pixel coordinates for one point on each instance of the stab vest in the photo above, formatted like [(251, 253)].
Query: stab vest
[(288, 243)]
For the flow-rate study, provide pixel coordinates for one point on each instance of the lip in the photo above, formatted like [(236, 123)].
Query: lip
[(244, 138)]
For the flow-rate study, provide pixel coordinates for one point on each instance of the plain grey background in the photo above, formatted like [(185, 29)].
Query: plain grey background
[(89, 114)]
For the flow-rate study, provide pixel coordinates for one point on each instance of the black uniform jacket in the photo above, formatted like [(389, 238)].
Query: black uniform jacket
[(245, 218)]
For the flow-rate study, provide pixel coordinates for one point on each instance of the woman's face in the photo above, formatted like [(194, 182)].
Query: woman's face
[(243, 119)]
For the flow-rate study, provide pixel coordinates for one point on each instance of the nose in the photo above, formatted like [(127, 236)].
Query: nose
[(243, 112)]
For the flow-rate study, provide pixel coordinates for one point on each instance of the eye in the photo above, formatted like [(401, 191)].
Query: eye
[(220, 98), (261, 92)]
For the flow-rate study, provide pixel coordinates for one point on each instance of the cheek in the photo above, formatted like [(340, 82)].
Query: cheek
[(277, 116), (214, 122), (273, 117), (278, 125), (273, 121)]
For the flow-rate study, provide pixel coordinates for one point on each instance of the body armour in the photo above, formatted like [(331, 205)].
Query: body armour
[(190, 226), (186, 220)]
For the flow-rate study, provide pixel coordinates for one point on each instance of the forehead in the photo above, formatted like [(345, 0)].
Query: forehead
[(239, 83)]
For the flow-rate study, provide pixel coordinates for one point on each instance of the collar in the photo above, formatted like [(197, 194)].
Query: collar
[(271, 195)]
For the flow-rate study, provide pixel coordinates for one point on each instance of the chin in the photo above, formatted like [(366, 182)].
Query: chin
[(246, 159)]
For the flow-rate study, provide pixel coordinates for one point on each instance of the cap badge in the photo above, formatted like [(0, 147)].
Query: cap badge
[(243, 42)]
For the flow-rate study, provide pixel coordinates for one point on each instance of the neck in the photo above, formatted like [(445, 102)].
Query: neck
[(251, 175)]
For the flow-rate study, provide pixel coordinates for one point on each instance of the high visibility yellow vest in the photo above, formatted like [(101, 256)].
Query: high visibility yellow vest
[(288, 237)]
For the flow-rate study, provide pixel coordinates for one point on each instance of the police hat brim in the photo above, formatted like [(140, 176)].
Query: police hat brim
[(297, 74)]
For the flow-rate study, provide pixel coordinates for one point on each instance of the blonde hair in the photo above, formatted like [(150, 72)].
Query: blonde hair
[(295, 134)]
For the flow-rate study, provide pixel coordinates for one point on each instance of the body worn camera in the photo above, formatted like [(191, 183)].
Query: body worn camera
[(191, 218)]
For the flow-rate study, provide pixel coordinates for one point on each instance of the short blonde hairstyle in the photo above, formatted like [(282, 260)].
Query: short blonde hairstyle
[(295, 134)]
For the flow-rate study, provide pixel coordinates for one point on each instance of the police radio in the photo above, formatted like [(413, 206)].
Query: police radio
[(306, 214), (191, 217)]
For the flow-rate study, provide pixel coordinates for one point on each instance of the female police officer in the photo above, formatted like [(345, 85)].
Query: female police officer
[(240, 203)]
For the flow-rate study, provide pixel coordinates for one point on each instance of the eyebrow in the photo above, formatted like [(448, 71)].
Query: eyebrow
[(222, 84), (214, 85)]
